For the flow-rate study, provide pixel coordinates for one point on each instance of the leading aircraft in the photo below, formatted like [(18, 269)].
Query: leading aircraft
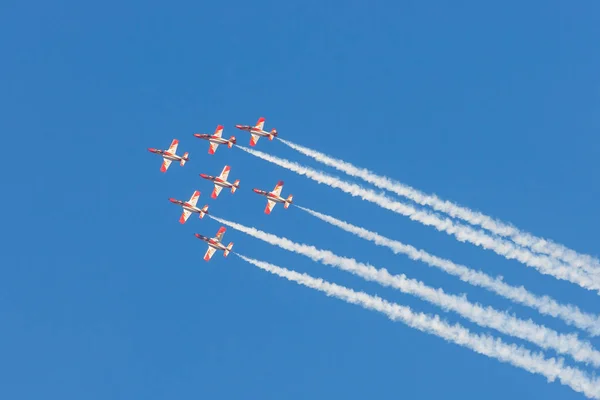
[(215, 140), (274, 197), (189, 207), (215, 244), (257, 131), (221, 182), (170, 155)]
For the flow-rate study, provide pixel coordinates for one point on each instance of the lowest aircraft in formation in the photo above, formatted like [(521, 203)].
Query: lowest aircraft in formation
[(221, 182), (257, 131), (215, 244), (274, 197), (170, 155)]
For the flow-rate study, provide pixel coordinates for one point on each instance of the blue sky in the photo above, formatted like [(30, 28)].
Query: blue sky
[(105, 295)]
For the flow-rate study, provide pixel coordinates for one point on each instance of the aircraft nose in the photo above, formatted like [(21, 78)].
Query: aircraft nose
[(204, 176), (150, 149), (198, 235), (172, 200)]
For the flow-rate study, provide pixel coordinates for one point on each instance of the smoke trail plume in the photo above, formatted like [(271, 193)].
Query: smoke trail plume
[(540, 245), (484, 316), (463, 233), (517, 356), (570, 314)]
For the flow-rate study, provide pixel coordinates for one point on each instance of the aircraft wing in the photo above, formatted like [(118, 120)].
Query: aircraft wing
[(165, 165), (253, 139), (209, 253), (269, 207), (225, 173), (212, 147), (220, 233), (219, 131), (216, 191), (194, 199), (278, 187), (173, 146), (260, 123), (184, 216)]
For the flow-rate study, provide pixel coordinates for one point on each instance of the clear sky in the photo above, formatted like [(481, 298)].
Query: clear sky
[(105, 295)]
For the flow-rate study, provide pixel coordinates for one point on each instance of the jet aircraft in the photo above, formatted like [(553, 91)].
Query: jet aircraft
[(257, 131), (221, 182), (189, 207), (274, 197), (215, 244), (170, 155), (215, 140)]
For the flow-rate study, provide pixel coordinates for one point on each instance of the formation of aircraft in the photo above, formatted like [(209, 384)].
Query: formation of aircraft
[(257, 131), (215, 244), (221, 182), (170, 155), (274, 197), (190, 207), (215, 139)]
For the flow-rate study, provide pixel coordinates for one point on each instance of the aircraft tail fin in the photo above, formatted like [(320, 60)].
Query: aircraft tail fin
[(232, 141), (228, 249), (203, 211), (273, 134), (288, 201), (186, 157), (235, 186)]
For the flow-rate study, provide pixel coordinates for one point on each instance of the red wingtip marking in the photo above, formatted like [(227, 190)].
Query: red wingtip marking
[(267, 210), (175, 141), (181, 220), (222, 229), (280, 183), (261, 119), (219, 127), (214, 194), (162, 168), (211, 150)]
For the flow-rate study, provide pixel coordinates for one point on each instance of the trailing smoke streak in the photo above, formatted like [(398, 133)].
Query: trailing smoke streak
[(570, 314), (484, 316), (463, 233), (540, 245), (487, 345)]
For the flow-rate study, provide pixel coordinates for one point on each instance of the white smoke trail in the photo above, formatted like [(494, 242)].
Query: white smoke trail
[(463, 233), (572, 315), (487, 345), (540, 245), (484, 316)]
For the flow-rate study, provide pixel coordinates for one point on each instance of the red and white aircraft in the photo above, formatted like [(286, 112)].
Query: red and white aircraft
[(221, 182), (189, 207), (275, 197), (170, 155), (257, 131), (215, 244), (216, 139)]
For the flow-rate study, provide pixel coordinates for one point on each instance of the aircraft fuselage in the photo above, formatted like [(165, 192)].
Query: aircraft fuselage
[(212, 139), (270, 196), (186, 206), (166, 154)]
